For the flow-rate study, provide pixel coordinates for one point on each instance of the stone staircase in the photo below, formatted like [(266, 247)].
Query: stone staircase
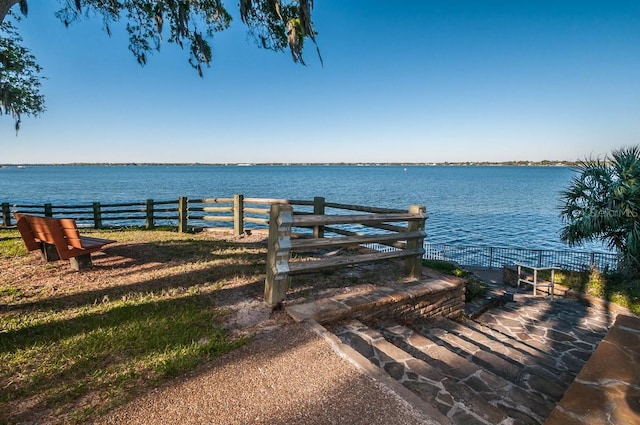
[(509, 366)]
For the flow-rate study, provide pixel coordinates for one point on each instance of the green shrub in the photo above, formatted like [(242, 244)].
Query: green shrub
[(473, 288), (445, 267)]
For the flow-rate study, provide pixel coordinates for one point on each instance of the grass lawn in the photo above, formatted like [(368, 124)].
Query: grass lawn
[(73, 345), (614, 287)]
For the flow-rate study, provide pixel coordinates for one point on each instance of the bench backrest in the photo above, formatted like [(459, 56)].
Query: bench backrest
[(70, 231), (61, 232), (25, 231)]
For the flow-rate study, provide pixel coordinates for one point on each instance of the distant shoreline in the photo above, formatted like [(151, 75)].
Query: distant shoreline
[(317, 164)]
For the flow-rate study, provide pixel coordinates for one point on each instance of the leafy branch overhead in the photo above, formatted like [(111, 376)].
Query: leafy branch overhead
[(20, 78), (274, 24)]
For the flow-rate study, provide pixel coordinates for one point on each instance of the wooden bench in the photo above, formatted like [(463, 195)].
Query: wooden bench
[(58, 239)]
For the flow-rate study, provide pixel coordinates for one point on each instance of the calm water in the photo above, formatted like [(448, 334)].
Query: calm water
[(496, 206)]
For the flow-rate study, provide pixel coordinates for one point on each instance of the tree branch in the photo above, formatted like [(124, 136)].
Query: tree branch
[(5, 6)]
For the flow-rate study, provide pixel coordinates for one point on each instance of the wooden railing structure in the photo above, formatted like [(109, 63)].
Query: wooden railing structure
[(184, 212), (376, 226), (407, 242), (99, 215), (238, 211)]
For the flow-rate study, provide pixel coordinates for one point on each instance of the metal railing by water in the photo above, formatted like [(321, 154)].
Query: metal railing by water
[(485, 256)]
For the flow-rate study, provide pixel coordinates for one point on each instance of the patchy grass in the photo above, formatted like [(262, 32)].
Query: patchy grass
[(618, 288), (155, 305), (73, 345), (473, 288), (11, 244)]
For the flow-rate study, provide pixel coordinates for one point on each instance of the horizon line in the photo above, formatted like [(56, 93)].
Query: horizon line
[(356, 163)]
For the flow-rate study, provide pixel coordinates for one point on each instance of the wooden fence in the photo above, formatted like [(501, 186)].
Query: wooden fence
[(100, 215), (237, 212), (407, 242), (183, 212)]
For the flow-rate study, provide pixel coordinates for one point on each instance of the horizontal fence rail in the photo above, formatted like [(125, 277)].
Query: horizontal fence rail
[(407, 243), (484, 256), (243, 212), (98, 215)]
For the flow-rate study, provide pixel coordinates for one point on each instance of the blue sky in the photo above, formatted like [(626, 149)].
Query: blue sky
[(413, 81)]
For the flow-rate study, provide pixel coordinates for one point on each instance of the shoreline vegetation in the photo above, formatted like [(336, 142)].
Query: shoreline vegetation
[(545, 163)]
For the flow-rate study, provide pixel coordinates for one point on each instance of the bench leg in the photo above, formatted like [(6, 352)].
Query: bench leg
[(49, 252), (81, 262)]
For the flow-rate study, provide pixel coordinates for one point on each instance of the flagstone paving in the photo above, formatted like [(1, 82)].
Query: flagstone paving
[(510, 365)]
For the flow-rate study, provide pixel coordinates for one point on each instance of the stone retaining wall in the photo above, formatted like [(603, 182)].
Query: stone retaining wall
[(442, 297)]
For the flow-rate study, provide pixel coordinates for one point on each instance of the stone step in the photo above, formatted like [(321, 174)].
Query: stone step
[(541, 367), (520, 404), (521, 351), (569, 340), (453, 398), (546, 365), (496, 357)]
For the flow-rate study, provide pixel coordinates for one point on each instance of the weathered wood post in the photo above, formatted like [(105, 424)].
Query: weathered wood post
[(279, 249), (97, 215), (6, 214), (318, 208), (48, 210), (183, 212), (238, 215), (413, 265), (149, 222)]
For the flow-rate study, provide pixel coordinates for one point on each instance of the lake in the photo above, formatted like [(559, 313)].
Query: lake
[(467, 205)]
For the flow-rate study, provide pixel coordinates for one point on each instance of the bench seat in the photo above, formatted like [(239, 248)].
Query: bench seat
[(58, 239)]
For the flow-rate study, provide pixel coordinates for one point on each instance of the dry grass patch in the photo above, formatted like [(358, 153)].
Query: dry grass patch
[(74, 344), (155, 305)]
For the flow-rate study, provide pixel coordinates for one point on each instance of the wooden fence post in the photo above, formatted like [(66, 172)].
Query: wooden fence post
[(413, 265), (238, 215), (183, 213), (149, 223), (48, 210), (279, 249), (318, 208), (6, 214), (97, 215)]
